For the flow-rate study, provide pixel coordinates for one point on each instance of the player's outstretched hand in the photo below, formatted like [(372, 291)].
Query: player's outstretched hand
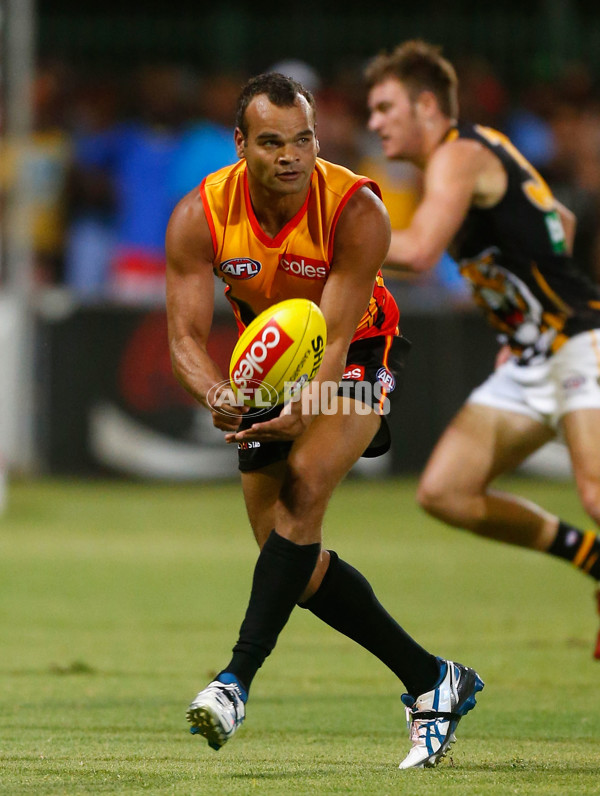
[(291, 423)]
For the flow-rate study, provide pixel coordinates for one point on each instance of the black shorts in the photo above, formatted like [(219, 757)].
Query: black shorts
[(373, 375)]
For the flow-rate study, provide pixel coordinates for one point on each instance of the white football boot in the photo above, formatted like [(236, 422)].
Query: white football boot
[(433, 716), (217, 712)]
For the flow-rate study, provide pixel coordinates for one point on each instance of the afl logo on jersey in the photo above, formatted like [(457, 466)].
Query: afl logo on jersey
[(240, 267), (386, 379)]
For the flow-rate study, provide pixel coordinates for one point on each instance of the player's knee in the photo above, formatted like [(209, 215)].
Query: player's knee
[(429, 495), (305, 489), (436, 498)]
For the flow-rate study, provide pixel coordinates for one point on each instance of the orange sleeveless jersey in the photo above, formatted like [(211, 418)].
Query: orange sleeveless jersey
[(260, 271)]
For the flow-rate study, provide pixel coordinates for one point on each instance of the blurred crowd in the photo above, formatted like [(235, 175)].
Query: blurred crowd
[(111, 155)]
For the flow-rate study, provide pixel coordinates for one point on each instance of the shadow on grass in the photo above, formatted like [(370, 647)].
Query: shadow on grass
[(455, 771)]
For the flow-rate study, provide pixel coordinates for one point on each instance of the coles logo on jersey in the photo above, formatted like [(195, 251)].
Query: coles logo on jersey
[(240, 267), (303, 267), (260, 355), (354, 372), (386, 379)]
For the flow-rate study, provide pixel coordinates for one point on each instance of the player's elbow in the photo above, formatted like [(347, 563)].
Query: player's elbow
[(424, 261), (417, 262), (409, 255)]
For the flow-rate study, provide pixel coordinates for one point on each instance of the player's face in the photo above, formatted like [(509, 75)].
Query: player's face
[(281, 146), (394, 116)]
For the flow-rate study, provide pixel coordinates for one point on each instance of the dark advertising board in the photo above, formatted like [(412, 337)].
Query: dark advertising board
[(108, 402)]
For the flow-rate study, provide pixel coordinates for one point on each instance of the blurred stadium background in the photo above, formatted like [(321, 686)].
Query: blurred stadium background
[(108, 117)]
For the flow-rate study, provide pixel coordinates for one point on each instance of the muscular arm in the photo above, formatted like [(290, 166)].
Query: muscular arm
[(451, 181), (190, 292), (361, 242)]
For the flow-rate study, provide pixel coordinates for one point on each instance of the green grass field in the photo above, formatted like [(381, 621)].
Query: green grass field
[(119, 601)]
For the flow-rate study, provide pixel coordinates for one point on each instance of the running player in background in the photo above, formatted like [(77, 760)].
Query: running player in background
[(484, 202), (283, 204)]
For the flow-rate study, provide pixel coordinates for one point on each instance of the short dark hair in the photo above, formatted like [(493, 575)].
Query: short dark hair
[(419, 66), (281, 90)]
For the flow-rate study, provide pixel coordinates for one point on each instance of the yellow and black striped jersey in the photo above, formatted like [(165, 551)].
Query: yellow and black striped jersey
[(514, 255)]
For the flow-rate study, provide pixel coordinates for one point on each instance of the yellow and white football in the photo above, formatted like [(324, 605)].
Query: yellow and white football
[(278, 353)]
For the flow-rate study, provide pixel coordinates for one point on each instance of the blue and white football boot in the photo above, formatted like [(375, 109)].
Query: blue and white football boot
[(433, 716), (217, 712)]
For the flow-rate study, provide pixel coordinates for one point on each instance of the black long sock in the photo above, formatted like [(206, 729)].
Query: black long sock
[(282, 572), (345, 600), (581, 548)]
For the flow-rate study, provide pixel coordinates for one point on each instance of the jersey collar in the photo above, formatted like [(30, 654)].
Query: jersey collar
[(262, 236)]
